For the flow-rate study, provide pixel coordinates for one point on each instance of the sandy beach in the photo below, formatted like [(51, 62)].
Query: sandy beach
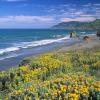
[(93, 42), (80, 45), (76, 65), (73, 45)]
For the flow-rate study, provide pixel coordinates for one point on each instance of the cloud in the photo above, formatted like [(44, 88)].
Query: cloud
[(26, 19), (53, 14), (81, 19), (87, 5), (97, 4), (73, 12)]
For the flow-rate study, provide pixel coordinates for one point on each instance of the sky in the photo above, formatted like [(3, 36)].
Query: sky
[(46, 13)]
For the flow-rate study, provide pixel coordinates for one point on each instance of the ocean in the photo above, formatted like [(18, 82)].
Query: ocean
[(15, 44)]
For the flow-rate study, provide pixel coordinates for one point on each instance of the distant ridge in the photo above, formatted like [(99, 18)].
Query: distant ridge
[(76, 25)]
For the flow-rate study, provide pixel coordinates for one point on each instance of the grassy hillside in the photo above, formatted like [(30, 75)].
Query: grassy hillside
[(95, 25), (54, 76)]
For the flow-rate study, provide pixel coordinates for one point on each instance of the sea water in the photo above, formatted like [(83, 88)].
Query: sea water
[(15, 44)]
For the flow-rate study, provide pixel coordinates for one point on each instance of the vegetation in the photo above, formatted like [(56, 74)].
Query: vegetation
[(70, 75), (95, 25)]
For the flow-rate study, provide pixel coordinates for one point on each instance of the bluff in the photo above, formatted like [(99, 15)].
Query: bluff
[(76, 25)]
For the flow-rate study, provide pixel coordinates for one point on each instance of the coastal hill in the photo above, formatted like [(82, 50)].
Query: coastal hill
[(76, 25)]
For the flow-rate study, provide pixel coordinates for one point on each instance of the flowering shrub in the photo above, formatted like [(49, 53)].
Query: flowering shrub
[(72, 87), (54, 76)]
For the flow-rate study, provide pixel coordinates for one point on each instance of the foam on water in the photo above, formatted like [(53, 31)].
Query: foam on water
[(24, 45), (39, 43), (10, 49), (10, 56)]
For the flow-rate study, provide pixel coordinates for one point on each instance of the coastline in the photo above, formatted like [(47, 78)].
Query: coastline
[(94, 42), (64, 64), (77, 46), (33, 52), (74, 45)]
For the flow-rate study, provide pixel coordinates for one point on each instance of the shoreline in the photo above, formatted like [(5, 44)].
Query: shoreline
[(94, 42), (78, 46), (74, 46), (15, 61), (66, 64)]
